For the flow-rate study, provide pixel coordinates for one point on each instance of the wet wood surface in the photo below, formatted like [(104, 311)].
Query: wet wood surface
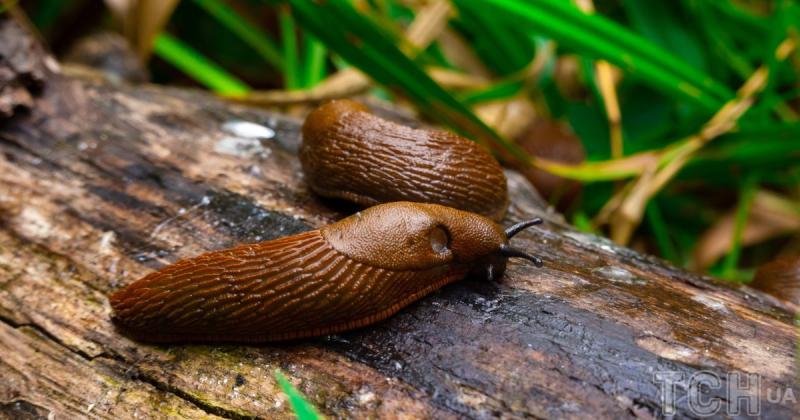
[(100, 185)]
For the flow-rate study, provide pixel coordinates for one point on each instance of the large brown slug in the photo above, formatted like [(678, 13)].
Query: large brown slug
[(346, 275), (351, 154)]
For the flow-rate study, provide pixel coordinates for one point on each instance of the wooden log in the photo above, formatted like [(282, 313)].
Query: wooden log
[(100, 185)]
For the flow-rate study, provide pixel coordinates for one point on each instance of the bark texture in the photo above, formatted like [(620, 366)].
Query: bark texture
[(100, 185)]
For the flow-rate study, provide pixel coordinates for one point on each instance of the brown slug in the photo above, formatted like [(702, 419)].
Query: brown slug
[(350, 154), (780, 278), (352, 273)]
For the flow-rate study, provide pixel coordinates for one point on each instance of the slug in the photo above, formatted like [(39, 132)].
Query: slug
[(349, 274), (556, 142), (350, 154)]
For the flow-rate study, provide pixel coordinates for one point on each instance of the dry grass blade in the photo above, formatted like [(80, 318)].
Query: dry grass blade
[(510, 117), (631, 208), (606, 76), (142, 21), (348, 82), (429, 23), (601, 171), (119, 8), (770, 216), (457, 80), (544, 56), (459, 52), (632, 201)]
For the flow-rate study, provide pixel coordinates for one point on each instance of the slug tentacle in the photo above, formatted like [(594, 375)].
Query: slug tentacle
[(509, 252), (350, 154), (511, 231)]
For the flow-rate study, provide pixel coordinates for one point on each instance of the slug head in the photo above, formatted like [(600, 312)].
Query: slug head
[(415, 236), (496, 264)]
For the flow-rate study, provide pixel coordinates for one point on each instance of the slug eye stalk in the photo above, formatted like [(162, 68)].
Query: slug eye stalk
[(509, 252), (519, 227)]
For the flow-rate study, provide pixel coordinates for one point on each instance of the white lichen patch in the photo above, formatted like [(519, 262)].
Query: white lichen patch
[(106, 244), (619, 275), (248, 130), (669, 350), (711, 302), (365, 396), (34, 223), (593, 240)]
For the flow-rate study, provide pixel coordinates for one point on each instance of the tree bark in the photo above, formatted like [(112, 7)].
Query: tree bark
[(100, 185)]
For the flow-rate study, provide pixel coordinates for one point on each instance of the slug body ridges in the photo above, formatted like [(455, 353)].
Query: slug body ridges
[(351, 154), (346, 275)]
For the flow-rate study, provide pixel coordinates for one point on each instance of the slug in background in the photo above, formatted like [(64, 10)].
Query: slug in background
[(352, 273), (554, 141), (350, 154), (780, 278)]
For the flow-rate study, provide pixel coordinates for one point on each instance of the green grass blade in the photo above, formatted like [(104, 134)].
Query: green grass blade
[(661, 232), (313, 61), (197, 66), (291, 65), (302, 408), (582, 222), (374, 52), (749, 24), (259, 41), (720, 38), (661, 23), (598, 36), (504, 49), (746, 197)]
